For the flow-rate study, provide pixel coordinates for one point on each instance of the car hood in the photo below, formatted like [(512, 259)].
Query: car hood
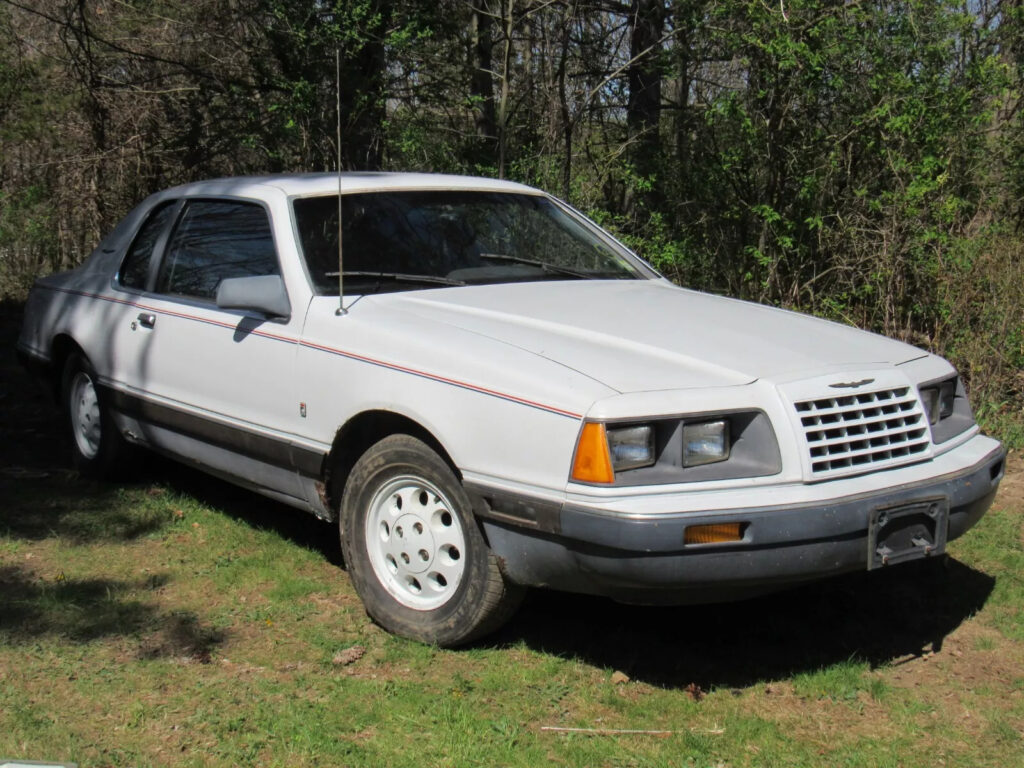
[(635, 336)]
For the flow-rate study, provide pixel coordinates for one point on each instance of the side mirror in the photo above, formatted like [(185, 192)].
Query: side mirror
[(264, 293)]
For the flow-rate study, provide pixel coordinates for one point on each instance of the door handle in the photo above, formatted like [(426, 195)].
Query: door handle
[(147, 320)]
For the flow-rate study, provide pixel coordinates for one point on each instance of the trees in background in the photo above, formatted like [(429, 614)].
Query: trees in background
[(858, 159)]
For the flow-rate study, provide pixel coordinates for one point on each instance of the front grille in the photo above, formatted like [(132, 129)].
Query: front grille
[(863, 432)]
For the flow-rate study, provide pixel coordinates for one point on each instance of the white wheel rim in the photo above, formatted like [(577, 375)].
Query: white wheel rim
[(85, 415), (416, 543)]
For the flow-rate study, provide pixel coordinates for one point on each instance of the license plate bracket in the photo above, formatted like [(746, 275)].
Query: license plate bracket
[(910, 531)]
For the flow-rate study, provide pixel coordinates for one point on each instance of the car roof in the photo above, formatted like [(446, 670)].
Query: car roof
[(312, 184)]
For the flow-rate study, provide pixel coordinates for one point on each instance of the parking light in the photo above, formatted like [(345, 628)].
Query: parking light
[(715, 533), (593, 462)]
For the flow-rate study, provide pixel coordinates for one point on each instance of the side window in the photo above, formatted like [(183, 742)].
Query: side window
[(135, 266), (215, 240)]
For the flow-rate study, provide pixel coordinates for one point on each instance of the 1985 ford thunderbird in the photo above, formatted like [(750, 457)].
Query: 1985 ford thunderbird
[(504, 397)]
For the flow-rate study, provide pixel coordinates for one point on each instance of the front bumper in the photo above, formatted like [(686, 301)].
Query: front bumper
[(643, 558)]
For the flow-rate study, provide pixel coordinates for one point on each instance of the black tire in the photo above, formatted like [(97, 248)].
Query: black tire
[(97, 448), (418, 582)]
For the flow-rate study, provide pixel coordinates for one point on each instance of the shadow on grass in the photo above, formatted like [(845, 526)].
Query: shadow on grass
[(81, 611), (62, 506), (877, 617), (31, 436)]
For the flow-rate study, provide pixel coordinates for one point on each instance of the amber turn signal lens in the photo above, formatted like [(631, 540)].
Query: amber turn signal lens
[(713, 534), (593, 463)]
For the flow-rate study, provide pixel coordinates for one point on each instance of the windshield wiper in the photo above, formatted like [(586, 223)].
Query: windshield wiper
[(552, 268), (400, 277)]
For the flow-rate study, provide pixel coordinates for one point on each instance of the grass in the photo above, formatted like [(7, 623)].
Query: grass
[(176, 620)]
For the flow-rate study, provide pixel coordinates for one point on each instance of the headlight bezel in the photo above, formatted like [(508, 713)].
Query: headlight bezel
[(938, 399), (752, 449), (953, 415)]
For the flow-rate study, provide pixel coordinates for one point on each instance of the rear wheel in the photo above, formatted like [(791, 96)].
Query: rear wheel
[(98, 450), (415, 554)]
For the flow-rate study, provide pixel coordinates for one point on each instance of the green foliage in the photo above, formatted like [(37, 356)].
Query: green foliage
[(979, 324), (846, 159), (28, 239)]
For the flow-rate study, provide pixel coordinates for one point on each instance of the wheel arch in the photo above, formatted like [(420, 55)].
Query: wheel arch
[(360, 432)]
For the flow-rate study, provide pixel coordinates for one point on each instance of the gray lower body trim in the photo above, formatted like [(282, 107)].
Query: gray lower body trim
[(270, 466), (646, 560), (268, 450), (536, 514)]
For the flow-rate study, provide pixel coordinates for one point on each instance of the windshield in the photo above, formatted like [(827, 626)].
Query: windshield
[(423, 239)]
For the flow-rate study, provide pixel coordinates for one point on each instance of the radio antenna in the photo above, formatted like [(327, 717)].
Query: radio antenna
[(337, 94)]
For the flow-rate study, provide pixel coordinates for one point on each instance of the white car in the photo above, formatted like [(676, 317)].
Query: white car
[(505, 397)]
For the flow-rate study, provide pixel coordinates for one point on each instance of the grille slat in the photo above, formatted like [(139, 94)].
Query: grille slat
[(851, 448), (863, 432), (881, 406), (856, 414), (881, 420), (851, 432)]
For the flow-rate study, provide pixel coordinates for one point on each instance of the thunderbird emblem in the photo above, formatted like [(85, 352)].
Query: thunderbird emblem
[(850, 384)]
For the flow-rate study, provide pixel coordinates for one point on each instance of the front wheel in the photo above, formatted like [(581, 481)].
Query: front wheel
[(98, 450), (415, 554)]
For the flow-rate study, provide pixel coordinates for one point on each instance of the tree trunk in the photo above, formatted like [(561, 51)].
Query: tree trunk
[(481, 85), (647, 19), (507, 8)]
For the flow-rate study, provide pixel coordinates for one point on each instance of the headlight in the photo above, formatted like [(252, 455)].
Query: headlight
[(631, 447), (705, 442)]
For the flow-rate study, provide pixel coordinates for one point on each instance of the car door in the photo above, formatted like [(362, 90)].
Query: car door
[(126, 339), (223, 377)]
